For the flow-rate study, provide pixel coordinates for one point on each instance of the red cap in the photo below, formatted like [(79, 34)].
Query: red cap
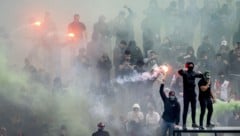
[(101, 125)]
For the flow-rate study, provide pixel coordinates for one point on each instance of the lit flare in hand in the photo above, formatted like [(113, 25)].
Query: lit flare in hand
[(164, 68), (71, 35), (37, 23)]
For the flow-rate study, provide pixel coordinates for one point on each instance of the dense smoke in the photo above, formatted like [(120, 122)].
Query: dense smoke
[(32, 104), (43, 89)]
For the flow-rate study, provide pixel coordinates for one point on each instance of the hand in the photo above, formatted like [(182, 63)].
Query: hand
[(164, 76), (160, 80), (185, 69), (181, 93), (177, 126), (187, 56), (213, 100)]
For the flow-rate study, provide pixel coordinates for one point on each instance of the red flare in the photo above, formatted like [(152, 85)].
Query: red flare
[(71, 35), (37, 23), (165, 68)]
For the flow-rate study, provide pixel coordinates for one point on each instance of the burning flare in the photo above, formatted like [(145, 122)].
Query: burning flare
[(164, 68), (37, 23), (71, 35), (157, 71)]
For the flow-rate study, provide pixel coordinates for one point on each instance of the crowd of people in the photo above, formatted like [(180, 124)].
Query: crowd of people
[(104, 65)]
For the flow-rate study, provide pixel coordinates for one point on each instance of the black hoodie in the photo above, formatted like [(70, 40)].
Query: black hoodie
[(101, 132), (171, 111), (189, 81)]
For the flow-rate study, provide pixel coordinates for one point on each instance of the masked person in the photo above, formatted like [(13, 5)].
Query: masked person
[(189, 94), (171, 113), (205, 99), (101, 131)]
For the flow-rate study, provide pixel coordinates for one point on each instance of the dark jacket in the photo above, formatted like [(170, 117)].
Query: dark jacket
[(101, 132), (136, 53), (104, 68), (189, 81), (205, 49), (203, 95), (171, 111)]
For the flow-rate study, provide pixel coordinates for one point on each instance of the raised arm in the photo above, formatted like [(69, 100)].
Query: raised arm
[(198, 75), (162, 93), (181, 72)]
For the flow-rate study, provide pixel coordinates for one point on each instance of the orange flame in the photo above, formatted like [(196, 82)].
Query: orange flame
[(165, 68), (37, 23), (71, 35)]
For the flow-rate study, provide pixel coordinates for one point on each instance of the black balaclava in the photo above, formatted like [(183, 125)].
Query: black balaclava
[(172, 96), (189, 67)]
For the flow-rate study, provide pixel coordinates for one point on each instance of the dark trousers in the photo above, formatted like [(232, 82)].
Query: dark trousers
[(206, 104), (186, 101)]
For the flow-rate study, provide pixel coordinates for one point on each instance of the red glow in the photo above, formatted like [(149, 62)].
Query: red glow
[(71, 35), (165, 68), (37, 23)]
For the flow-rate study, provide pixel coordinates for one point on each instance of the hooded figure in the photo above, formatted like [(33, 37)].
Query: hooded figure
[(171, 113), (189, 94), (135, 120), (135, 115)]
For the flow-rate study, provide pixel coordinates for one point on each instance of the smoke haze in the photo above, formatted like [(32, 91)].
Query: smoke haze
[(28, 100)]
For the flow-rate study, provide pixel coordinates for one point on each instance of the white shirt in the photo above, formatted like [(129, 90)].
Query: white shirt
[(135, 116), (224, 90), (152, 118)]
